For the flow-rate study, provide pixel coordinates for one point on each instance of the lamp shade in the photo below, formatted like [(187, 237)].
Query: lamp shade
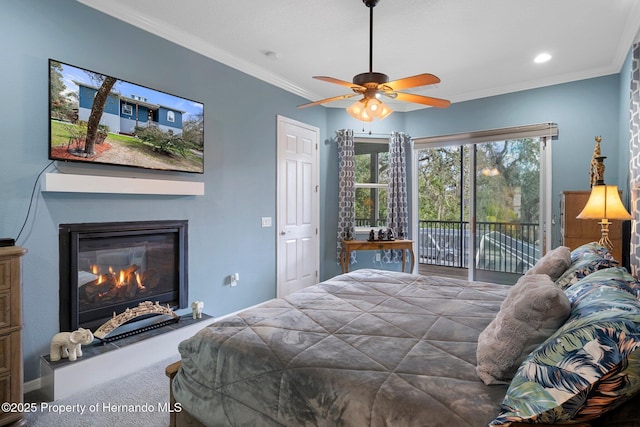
[(604, 203)]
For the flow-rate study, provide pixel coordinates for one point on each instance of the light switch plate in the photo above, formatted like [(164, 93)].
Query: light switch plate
[(266, 221)]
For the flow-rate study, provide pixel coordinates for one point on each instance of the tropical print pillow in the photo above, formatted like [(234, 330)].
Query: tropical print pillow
[(589, 366), (592, 248), (597, 283), (586, 262)]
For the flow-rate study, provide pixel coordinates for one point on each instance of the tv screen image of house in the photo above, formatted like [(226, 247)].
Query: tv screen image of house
[(95, 118)]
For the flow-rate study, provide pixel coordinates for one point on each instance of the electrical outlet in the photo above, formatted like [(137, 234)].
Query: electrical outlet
[(233, 279), (378, 257)]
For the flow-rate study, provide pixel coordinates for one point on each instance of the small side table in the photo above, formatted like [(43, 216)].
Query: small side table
[(349, 246)]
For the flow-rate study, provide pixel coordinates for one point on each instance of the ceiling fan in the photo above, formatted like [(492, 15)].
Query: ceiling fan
[(372, 86)]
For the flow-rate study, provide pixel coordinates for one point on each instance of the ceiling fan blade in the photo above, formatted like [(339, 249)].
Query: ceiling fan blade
[(413, 81), (324, 101), (426, 100), (350, 85)]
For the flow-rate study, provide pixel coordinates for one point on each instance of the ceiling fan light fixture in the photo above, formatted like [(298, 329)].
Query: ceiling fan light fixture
[(358, 110), (378, 109), (366, 110), (372, 106)]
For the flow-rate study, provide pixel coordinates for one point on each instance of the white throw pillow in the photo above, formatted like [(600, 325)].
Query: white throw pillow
[(533, 310)]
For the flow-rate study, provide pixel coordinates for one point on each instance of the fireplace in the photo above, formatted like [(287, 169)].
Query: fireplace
[(106, 268)]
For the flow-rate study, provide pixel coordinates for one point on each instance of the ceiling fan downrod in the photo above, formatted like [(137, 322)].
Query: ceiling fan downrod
[(370, 80), (370, 4)]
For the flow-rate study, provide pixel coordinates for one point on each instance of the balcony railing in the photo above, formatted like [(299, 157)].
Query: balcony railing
[(501, 247), (366, 223)]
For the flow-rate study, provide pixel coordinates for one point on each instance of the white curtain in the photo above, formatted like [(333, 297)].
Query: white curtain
[(634, 164), (397, 205), (346, 189)]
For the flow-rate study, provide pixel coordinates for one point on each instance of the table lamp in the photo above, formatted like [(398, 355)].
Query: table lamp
[(604, 204)]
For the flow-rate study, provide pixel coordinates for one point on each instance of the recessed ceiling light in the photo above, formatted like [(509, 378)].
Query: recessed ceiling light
[(543, 57)]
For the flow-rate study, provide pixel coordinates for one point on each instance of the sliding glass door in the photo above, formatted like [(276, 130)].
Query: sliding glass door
[(506, 221), (481, 207)]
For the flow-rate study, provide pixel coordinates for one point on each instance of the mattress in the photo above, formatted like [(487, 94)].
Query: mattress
[(366, 348)]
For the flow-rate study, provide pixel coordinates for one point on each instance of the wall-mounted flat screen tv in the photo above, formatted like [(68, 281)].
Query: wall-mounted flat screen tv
[(95, 118)]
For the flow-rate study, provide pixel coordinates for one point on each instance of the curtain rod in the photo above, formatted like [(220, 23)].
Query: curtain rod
[(371, 133), (514, 132)]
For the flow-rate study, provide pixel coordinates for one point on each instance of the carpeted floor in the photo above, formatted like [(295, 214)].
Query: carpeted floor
[(140, 399)]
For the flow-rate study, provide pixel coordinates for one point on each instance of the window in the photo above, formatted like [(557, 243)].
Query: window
[(371, 183), (171, 116), (127, 109)]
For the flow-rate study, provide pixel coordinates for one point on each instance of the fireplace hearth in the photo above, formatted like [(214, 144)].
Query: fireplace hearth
[(107, 268)]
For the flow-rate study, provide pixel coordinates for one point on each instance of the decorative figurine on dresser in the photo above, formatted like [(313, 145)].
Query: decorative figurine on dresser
[(11, 375), (381, 236), (596, 168), (349, 235)]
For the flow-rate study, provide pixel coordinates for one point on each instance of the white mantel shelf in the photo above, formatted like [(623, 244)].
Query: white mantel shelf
[(72, 183)]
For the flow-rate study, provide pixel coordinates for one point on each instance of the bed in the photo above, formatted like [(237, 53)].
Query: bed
[(365, 348)]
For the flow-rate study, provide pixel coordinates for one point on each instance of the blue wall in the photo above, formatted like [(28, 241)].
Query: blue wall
[(240, 153), (582, 110), (225, 233)]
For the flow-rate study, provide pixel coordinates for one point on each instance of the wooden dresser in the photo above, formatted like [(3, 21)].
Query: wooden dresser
[(576, 232), (11, 332)]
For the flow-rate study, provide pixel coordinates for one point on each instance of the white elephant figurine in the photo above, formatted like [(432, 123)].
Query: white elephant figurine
[(69, 344), (197, 307)]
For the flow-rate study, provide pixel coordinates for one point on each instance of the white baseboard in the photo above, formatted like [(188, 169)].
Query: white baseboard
[(32, 385)]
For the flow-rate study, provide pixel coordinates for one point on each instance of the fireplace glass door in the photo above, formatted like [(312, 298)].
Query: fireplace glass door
[(121, 269), (115, 266)]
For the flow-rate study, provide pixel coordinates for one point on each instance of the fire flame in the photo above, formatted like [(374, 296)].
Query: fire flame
[(139, 281), (122, 280), (109, 284)]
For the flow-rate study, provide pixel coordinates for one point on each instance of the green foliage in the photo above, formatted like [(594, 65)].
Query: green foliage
[(77, 131), (64, 105), (439, 183), (508, 192), (193, 133), (164, 142)]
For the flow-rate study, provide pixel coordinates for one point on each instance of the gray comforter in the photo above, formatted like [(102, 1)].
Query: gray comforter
[(367, 348)]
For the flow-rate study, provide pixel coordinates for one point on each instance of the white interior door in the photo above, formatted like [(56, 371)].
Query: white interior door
[(298, 243)]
